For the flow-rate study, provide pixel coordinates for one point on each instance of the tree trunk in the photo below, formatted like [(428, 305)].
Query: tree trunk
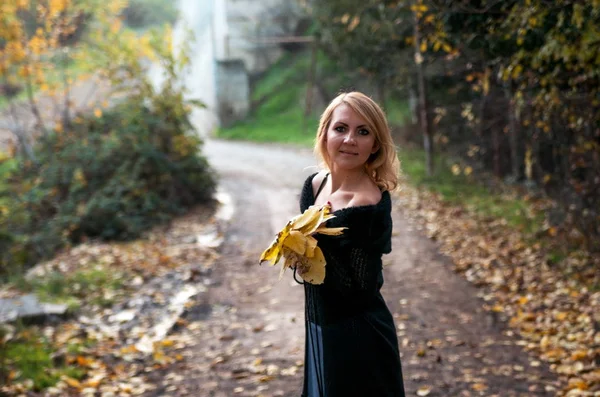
[(514, 131), (481, 114), (381, 92), (311, 80), (34, 108), (323, 93), (21, 135), (496, 152), (413, 102), (309, 86), (423, 105), (67, 103)]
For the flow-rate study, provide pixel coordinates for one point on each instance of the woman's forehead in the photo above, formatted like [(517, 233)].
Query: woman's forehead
[(345, 114)]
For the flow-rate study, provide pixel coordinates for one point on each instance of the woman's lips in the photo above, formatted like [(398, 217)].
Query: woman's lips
[(349, 153)]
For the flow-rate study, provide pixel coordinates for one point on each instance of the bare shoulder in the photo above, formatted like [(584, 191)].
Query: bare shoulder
[(369, 194), (317, 180)]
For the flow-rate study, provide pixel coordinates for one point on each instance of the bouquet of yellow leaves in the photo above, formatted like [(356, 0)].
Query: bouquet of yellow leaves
[(298, 246)]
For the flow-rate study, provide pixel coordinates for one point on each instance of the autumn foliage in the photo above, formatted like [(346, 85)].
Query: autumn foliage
[(509, 88), (110, 171)]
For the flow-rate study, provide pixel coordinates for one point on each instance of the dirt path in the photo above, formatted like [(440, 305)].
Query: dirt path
[(247, 332)]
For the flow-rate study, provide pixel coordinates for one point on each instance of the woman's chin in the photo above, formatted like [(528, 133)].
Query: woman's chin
[(348, 166)]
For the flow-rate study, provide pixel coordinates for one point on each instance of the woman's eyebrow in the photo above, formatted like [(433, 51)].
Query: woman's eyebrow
[(340, 122), (346, 125)]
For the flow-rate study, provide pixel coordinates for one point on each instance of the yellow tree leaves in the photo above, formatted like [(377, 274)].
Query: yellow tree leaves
[(431, 30), (37, 44), (14, 52), (419, 8), (115, 7), (42, 46), (55, 7), (32, 38), (351, 21)]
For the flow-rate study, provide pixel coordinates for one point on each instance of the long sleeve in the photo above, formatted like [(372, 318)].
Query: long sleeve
[(354, 258)]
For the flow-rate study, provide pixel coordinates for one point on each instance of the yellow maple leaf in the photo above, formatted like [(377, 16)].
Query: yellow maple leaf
[(296, 244)]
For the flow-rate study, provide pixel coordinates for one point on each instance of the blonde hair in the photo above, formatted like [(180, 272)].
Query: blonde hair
[(382, 166)]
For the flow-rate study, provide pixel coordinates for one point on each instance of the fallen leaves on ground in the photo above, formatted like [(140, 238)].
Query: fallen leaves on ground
[(553, 307), (112, 363)]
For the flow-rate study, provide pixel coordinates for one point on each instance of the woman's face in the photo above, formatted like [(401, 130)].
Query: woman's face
[(349, 141)]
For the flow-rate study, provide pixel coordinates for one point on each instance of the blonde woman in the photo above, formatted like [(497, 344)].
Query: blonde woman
[(351, 344)]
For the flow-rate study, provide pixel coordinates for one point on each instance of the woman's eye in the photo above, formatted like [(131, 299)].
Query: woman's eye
[(339, 129), (363, 132)]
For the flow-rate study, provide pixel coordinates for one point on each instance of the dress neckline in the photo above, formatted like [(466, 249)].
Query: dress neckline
[(384, 196)]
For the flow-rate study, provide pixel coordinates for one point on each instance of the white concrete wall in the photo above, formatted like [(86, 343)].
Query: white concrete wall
[(197, 16), (233, 91), (223, 30), (248, 20)]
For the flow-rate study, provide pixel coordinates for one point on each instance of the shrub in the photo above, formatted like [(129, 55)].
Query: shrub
[(108, 177)]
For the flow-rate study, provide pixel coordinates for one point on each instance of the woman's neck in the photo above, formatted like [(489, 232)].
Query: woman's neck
[(346, 180)]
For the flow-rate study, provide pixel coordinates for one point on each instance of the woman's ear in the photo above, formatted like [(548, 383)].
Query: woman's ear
[(375, 148)]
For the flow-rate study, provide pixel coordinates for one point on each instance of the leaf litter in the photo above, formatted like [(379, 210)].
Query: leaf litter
[(552, 309), (161, 274)]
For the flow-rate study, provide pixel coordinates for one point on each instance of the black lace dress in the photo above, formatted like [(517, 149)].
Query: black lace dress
[(351, 344)]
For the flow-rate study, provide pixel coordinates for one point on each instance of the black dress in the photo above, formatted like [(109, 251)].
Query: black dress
[(351, 345)]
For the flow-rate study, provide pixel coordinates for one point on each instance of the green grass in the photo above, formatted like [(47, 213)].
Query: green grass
[(397, 111), (86, 285), (468, 192), (287, 127), (6, 165), (290, 68), (280, 117), (30, 356)]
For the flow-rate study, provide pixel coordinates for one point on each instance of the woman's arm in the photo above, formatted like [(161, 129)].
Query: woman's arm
[(354, 259)]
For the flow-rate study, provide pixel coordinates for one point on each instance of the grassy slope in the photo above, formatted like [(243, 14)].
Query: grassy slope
[(280, 116), (466, 191)]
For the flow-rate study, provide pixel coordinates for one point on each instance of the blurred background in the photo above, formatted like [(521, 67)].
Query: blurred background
[(106, 106)]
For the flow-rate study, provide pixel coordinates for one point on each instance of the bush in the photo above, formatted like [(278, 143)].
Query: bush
[(108, 177)]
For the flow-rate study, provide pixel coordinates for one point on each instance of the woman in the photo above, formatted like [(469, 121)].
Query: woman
[(351, 344)]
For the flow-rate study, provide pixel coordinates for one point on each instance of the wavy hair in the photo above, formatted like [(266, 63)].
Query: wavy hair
[(382, 166)]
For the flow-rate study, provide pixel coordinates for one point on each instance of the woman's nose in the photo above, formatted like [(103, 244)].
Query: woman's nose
[(349, 138)]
